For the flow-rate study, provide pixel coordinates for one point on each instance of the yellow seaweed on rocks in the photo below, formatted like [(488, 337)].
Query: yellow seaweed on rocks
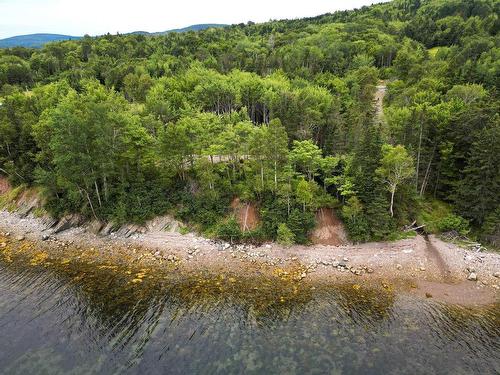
[(107, 267), (7, 253), (387, 286), (279, 272), (25, 246), (39, 258), (296, 273)]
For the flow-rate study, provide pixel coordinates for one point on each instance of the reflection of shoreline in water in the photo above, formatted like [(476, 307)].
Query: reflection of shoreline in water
[(135, 316)]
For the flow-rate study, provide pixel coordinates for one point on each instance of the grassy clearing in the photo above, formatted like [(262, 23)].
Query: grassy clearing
[(8, 200)]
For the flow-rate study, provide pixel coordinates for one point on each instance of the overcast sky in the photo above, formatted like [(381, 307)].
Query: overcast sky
[(95, 17)]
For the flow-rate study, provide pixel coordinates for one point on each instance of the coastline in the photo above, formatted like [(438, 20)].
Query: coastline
[(428, 267)]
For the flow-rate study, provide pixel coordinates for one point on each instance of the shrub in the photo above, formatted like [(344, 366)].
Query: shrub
[(256, 236), (228, 230), (272, 212), (355, 220), (203, 210), (432, 212), (454, 222), (381, 224), (491, 228), (284, 235), (183, 230), (301, 224)]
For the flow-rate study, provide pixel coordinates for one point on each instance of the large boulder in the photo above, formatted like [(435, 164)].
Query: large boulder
[(68, 222), (164, 223), (95, 226), (108, 228)]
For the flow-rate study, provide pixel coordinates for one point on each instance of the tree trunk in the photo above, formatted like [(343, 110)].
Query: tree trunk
[(393, 191), (418, 154), (8, 148), (245, 226), (98, 195), (426, 177), (437, 180), (105, 184), (275, 175), (262, 174), (17, 174), (91, 205)]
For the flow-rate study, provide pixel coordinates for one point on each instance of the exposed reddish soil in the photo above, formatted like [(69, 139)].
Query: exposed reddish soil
[(4, 185), (329, 229), (247, 214)]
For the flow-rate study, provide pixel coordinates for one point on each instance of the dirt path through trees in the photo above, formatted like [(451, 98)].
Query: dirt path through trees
[(379, 100)]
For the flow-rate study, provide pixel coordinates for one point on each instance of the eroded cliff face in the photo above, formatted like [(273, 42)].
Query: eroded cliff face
[(4, 185), (29, 202), (329, 229), (247, 214)]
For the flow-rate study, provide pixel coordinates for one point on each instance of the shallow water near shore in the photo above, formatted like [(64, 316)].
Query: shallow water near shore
[(62, 317)]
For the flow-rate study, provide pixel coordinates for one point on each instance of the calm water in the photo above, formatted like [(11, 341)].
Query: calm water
[(84, 319)]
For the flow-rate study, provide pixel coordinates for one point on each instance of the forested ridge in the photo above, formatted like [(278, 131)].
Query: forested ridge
[(281, 114)]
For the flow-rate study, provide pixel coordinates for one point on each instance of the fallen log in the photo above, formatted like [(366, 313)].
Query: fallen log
[(414, 228)]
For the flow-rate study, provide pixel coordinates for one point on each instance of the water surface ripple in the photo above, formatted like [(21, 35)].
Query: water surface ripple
[(80, 319)]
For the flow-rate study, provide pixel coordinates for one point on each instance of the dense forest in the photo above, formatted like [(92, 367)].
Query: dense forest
[(282, 114)]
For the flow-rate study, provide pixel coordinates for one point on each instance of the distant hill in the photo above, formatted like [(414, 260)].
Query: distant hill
[(198, 27), (33, 40), (38, 40)]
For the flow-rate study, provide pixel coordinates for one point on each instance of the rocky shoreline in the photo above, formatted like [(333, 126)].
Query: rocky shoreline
[(426, 266)]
